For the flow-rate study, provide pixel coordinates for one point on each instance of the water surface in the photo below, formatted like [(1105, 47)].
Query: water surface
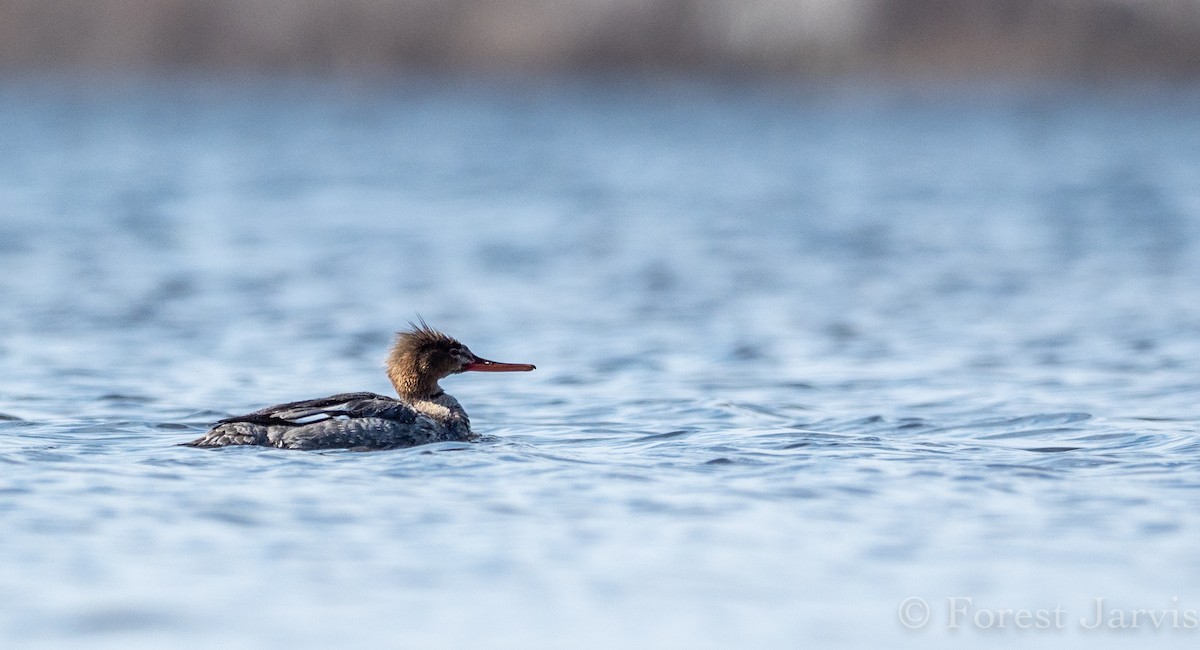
[(801, 355)]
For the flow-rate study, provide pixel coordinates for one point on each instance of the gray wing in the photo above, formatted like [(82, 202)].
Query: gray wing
[(343, 421), (324, 408)]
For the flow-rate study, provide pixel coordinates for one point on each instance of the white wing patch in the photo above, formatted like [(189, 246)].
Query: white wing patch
[(309, 419), (307, 416)]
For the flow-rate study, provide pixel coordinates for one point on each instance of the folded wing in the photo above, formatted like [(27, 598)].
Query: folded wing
[(341, 406), (345, 421)]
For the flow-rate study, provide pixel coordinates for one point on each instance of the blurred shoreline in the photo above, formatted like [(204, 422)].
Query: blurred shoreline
[(821, 39)]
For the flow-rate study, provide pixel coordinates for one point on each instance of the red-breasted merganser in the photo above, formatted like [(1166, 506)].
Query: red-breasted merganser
[(366, 421)]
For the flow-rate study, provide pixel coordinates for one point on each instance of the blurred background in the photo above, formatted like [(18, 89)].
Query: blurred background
[(809, 38)]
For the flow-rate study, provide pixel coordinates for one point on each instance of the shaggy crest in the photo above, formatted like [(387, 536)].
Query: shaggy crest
[(420, 335)]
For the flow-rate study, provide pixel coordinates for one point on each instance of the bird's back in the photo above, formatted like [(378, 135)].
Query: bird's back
[(343, 421)]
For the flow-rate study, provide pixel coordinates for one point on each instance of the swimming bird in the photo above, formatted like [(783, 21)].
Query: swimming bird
[(424, 413)]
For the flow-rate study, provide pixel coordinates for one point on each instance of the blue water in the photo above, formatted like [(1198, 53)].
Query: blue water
[(803, 354)]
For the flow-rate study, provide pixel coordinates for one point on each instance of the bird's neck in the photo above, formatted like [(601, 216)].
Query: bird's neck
[(412, 386), (445, 410)]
